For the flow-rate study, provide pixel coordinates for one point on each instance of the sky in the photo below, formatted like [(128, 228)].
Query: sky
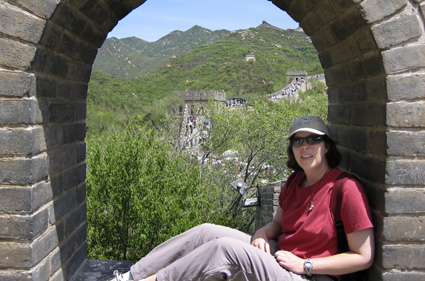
[(157, 18)]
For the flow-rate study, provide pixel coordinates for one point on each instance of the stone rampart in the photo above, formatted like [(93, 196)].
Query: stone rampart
[(373, 54)]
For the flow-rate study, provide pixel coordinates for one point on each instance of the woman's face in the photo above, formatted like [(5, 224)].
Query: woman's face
[(310, 157)]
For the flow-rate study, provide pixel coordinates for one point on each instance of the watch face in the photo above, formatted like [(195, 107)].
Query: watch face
[(308, 264)]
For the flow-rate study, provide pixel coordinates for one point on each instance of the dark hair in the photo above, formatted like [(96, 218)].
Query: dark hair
[(333, 156)]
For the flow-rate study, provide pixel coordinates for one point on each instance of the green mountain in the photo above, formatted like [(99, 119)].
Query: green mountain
[(133, 57), (212, 63)]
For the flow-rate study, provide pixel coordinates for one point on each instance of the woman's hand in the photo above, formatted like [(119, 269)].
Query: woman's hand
[(290, 261), (261, 241)]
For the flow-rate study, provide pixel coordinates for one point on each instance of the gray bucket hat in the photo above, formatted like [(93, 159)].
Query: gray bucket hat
[(312, 124)]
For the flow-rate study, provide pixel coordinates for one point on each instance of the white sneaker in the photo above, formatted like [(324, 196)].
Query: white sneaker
[(119, 277)]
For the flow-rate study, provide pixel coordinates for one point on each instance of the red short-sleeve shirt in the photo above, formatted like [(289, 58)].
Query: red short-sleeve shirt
[(311, 233)]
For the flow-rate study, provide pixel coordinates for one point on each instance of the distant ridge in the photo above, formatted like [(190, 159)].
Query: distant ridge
[(266, 24), (135, 58)]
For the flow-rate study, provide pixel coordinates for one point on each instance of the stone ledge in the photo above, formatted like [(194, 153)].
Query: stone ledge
[(96, 270)]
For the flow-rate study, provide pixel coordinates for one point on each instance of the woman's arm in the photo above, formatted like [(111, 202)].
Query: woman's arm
[(359, 257), (270, 231)]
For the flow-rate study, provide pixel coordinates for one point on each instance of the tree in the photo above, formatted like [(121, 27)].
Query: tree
[(139, 194)]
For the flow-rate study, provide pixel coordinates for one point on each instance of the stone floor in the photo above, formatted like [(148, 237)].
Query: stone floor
[(101, 270)]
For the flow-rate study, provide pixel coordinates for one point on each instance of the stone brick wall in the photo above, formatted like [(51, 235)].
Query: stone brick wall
[(268, 198), (373, 55)]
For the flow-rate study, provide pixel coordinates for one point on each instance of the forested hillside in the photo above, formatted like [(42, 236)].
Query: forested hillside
[(133, 57), (217, 66)]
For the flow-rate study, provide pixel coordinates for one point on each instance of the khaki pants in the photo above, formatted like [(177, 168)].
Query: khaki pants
[(213, 252)]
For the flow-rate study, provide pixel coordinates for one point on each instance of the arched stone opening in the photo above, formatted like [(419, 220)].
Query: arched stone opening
[(373, 55)]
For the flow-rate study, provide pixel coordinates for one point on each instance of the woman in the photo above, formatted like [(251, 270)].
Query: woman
[(300, 242)]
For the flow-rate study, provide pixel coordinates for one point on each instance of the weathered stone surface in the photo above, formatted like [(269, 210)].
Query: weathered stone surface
[(396, 31), (23, 227), (404, 58), (406, 143), (23, 171), (406, 87), (17, 84), (403, 256), (42, 9), (405, 201), (406, 172), (15, 54), (24, 200), (20, 24), (16, 112), (406, 114), (23, 141), (378, 9), (404, 229)]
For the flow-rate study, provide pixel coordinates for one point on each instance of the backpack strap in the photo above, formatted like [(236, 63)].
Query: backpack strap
[(336, 199)]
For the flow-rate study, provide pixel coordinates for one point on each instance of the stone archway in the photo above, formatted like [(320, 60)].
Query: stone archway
[(374, 58)]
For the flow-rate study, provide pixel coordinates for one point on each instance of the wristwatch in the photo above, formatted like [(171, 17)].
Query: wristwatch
[(308, 265)]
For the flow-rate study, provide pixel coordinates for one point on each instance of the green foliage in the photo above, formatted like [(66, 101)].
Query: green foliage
[(216, 63), (139, 194), (259, 134)]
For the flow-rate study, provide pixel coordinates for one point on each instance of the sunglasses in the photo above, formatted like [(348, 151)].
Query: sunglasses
[(311, 140)]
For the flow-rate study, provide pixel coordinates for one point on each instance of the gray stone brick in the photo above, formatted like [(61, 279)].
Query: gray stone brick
[(323, 39), (61, 112), (336, 75), (376, 89), (403, 256), (397, 275), (404, 58), (15, 54), (405, 143), (20, 24), (73, 22), (16, 255), (298, 12), (81, 152), (16, 112), (17, 84), (54, 136), (74, 132), (348, 24), (23, 171), (64, 204), (406, 114), (371, 168), (80, 72), (377, 142), (339, 113), (74, 176), (75, 219), (406, 87), (368, 114), (23, 227), (40, 8), (405, 201), (25, 141), (41, 271), (46, 87), (24, 200), (346, 51), (397, 31), (365, 41), (404, 229), (62, 158), (376, 10), (373, 64), (406, 172), (43, 246)]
